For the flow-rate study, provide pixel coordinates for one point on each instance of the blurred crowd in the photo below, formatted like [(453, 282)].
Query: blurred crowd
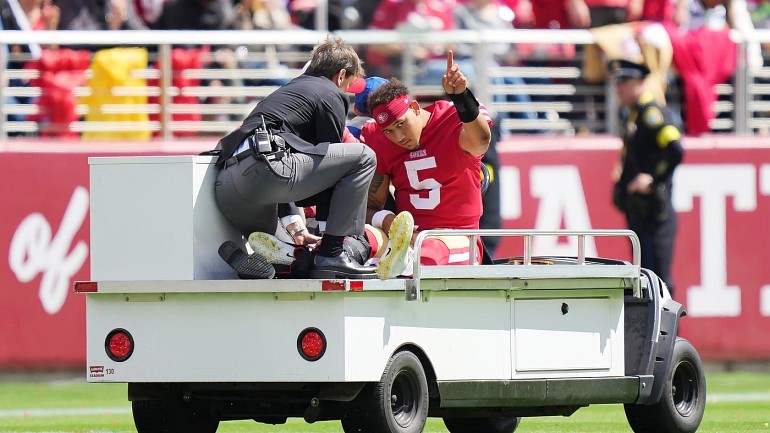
[(415, 15), (410, 15), (360, 14), (364, 14)]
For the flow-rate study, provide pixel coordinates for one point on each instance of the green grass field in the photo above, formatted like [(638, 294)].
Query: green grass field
[(737, 403)]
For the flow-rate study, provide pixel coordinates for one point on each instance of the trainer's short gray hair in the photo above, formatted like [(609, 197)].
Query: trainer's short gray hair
[(334, 54)]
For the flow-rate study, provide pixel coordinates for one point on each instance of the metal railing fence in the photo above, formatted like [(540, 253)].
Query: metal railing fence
[(557, 98)]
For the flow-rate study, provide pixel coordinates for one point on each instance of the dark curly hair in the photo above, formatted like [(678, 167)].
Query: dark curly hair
[(386, 93)]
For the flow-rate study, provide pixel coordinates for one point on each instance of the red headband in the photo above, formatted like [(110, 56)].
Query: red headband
[(385, 114)]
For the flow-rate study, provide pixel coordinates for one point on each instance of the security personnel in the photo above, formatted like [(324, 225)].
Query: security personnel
[(643, 182)]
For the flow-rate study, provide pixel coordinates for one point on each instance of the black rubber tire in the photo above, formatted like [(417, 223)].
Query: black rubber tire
[(356, 418), (398, 403), (171, 416), (482, 425), (681, 407)]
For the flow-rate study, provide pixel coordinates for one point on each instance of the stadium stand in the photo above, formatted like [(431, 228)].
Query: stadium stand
[(741, 105)]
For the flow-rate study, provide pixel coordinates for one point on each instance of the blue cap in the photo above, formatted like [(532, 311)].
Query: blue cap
[(372, 83)]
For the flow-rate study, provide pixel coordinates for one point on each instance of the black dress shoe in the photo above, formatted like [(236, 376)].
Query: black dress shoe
[(248, 267), (341, 266)]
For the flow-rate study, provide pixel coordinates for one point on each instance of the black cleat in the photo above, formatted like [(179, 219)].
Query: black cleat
[(248, 267)]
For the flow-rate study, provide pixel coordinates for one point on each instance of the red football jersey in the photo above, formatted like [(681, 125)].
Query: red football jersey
[(439, 183)]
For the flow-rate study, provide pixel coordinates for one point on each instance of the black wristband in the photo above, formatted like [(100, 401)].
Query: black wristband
[(466, 104)]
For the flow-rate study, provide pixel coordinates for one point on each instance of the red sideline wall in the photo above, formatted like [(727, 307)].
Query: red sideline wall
[(722, 197)]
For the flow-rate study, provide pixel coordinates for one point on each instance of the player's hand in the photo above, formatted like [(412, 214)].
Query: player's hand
[(306, 238), (453, 81)]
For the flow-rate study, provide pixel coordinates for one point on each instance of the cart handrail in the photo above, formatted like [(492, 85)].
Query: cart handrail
[(413, 290)]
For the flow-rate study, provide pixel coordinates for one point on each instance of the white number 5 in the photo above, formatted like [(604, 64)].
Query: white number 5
[(430, 184)]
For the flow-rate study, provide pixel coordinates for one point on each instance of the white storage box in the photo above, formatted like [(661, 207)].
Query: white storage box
[(155, 218)]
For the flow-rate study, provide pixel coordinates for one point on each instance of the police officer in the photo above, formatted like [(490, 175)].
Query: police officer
[(651, 151), (297, 153)]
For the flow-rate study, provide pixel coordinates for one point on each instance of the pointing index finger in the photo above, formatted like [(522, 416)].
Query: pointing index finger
[(450, 60)]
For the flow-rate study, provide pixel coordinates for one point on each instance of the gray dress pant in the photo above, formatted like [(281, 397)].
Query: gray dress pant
[(248, 192)]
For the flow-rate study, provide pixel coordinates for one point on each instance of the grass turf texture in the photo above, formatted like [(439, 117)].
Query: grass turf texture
[(737, 402)]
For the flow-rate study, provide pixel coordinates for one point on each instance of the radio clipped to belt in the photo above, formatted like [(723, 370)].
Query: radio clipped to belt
[(267, 146)]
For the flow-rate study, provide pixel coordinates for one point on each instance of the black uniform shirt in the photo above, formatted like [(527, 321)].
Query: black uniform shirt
[(312, 108), (306, 112), (650, 143)]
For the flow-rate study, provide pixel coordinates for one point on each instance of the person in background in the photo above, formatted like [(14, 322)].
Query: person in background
[(733, 14), (432, 156), (99, 15), (340, 14), (577, 14), (643, 179), (207, 15), (289, 148), (149, 10), (8, 99), (196, 15), (365, 10), (412, 16), (39, 15), (490, 15), (264, 15), (673, 11), (551, 14), (607, 12), (360, 109)]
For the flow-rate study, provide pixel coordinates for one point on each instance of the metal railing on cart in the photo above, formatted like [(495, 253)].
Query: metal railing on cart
[(563, 102)]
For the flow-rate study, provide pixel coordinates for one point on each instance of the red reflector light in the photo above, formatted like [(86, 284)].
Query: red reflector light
[(86, 287), (119, 345), (311, 344)]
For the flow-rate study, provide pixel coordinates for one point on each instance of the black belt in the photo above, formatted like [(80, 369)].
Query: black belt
[(248, 154)]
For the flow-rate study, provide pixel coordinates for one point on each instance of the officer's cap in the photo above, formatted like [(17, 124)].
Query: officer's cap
[(621, 69)]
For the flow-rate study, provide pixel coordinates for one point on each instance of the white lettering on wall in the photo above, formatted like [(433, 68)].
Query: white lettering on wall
[(562, 199), (714, 297), (33, 250), (510, 193), (764, 292)]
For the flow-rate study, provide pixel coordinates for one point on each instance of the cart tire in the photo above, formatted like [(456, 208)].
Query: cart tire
[(401, 397), (482, 425), (683, 402), (398, 403), (356, 417), (171, 416)]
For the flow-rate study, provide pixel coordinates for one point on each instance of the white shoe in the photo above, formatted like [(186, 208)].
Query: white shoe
[(396, 258), (274, 250)]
